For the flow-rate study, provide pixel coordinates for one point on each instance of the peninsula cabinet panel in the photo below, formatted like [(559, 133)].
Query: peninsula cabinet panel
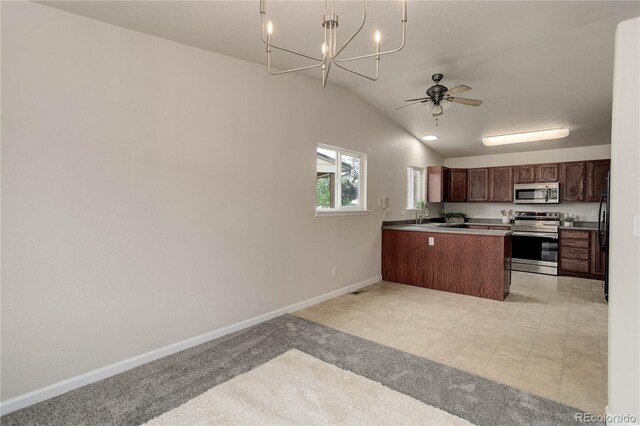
[(478, 187), (458, 186), (475, 265), (524, 174), (597, 172), (572, 180), (501, 184), (404, 257), (547, 173)]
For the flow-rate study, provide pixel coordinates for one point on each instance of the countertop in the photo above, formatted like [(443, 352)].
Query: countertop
[(430, 227)]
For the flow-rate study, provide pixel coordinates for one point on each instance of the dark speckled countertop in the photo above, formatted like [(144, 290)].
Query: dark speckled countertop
[(439, 228)]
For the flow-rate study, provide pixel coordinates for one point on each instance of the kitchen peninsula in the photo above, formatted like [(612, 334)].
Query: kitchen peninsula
[(475, 262)]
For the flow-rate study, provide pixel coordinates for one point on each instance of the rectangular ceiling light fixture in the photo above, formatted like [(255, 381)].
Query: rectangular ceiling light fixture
[(540, 135)]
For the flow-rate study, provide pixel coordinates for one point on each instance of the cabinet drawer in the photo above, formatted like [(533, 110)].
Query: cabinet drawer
[(575, 253), (574, 265), (566, 233), (568, 242)]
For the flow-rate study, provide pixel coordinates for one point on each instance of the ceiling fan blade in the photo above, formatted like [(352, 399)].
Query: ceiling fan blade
[(457, 89), (418, 99), (415, 103), (465, 101)]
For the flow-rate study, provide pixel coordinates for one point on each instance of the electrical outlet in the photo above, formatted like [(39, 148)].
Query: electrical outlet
[(594, 213), (388, 214), (402, 212), (432, 241), (334, 271)]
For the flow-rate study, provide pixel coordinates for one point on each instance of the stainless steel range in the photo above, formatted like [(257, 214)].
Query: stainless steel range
[(535, 242)]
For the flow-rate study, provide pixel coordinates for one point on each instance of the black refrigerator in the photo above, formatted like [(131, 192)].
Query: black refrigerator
[(603, 231)]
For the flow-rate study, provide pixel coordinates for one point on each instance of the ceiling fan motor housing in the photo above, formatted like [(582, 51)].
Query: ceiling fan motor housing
[(436, 93)]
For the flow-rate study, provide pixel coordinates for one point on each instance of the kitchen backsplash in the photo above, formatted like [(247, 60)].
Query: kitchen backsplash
[(582, 211)]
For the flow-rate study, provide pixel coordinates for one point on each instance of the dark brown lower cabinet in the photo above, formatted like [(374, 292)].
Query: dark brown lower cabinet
[(475, 265), (580, 255)]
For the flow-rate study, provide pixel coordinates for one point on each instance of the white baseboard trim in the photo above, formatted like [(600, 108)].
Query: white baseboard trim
[(67, 385)]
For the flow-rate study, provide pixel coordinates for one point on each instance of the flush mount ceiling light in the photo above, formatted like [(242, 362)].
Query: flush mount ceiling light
[(540, 135), (430, 138), (329, 47)]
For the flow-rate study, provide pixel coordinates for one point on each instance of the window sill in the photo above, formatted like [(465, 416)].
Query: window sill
[(342, 212)]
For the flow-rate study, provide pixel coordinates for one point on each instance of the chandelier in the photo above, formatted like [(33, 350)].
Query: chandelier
[(329, 47)]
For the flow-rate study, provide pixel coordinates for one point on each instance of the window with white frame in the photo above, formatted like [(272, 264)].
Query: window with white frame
[(415, 187), (340, 180)]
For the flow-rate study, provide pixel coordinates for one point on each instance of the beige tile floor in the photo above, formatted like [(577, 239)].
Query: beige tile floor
[(548, 337)]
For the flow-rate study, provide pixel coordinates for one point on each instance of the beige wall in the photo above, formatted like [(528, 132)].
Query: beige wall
[(624, 252), (153, 192)]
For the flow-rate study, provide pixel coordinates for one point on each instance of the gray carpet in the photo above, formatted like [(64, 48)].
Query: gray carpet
[(137, 395)]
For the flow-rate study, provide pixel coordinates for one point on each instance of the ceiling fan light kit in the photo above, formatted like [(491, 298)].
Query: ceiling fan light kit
[(538, 135), (329, 48)]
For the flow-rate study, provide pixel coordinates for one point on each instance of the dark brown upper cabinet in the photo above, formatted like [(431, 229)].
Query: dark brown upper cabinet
[(534, 173), (478, 185), (501, 184), (547, 173), (445, 184), (572, 180), (524, 174), (436, 183), (458, 186), (597, 172)]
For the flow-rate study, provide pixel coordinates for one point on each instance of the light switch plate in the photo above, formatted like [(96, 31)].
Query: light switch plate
[(431, 241)]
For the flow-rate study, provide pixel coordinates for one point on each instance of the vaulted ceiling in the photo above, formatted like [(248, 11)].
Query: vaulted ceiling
[(535, 64)]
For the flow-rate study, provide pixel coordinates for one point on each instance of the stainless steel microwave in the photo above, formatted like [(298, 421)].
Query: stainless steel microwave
[(536, 193)]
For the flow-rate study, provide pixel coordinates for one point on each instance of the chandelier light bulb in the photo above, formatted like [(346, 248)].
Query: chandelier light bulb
[(269, 27), (378, 37), (324, 48)]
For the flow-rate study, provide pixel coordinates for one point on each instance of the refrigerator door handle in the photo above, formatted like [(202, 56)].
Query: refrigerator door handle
[(600, 220)]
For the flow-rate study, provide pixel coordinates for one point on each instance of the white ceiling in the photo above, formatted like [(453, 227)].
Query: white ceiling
[(535, 64)]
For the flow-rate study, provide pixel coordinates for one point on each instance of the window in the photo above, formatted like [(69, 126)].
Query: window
[(415, 187), (340, 180)]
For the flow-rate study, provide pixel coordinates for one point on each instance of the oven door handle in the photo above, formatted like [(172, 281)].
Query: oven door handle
[(535, 234)]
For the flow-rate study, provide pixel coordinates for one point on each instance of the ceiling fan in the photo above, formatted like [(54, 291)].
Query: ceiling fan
[(439, 97)]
